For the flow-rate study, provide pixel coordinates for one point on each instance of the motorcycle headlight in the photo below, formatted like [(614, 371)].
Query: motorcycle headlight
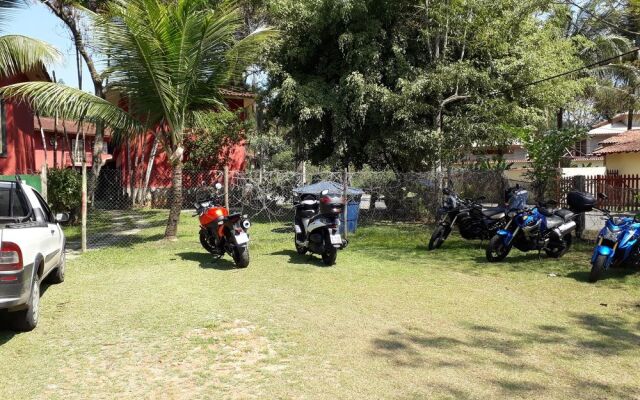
[(246, 224)]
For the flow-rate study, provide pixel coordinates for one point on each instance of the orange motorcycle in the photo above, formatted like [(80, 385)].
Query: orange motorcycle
[(222, 232)]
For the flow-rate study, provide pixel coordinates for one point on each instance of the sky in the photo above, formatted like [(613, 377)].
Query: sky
[(38, 22)]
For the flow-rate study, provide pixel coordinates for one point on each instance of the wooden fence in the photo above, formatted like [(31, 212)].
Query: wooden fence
[(623, 191)]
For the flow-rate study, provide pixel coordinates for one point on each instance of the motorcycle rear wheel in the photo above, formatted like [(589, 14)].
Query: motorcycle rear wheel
[(329, 256), (241, 257), (496, 250), (557, 252), (437, 238)]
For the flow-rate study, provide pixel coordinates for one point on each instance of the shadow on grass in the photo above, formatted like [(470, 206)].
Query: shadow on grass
[(283, 229), (619, 274), (6, 334), (304, 259), (505, 349), (207, 261)]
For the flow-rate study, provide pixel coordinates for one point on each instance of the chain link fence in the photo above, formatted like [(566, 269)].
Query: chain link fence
[(125, 211)]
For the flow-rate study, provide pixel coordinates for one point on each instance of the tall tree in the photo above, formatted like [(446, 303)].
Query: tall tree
[(169, 60), (73, 14), (408, 84)]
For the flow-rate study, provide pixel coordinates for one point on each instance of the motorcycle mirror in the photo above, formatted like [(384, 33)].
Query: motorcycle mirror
[(196, 205), (602, 196), (218, 185)]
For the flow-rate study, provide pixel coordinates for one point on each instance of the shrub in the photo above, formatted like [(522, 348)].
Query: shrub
[(64, 191)]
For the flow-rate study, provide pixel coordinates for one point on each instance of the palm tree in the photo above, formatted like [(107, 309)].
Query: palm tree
[(19, 54), (169, 60)]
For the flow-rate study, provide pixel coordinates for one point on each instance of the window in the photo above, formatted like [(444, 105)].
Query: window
[(3, 131), (12, 202), (78, 150), (580, 148), (48, 215)]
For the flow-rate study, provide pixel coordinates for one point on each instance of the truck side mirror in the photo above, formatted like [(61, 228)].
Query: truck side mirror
[(62, 217)]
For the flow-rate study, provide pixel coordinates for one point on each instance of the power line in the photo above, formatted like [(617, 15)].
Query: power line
[(599, 18), (573, 71)]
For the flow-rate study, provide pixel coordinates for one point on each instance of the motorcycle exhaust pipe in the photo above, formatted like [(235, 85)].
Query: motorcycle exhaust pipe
[(565, 228)]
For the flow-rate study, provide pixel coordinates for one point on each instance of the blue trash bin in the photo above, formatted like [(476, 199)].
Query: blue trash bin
[(353, 209)]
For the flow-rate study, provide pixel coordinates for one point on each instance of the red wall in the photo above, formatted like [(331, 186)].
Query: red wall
[(19, 153), (64, 158), (161, 175)]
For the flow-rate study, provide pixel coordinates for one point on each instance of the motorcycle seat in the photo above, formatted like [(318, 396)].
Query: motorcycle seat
[(565, 214), (491, 211), (233, 216), (548, 211), (554, 222)]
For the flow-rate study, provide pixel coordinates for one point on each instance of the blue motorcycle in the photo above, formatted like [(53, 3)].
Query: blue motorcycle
[(542, 228), (617, 243)]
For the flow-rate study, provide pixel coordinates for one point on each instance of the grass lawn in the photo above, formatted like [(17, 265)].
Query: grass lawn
[(390, 320)]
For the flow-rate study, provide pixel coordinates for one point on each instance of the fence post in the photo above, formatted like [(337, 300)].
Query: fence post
[(226, 187), (345, 213), (579, 183), (84, 205), (43, 182)]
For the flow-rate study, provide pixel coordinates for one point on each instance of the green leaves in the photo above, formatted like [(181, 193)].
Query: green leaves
[(545, 151), (50, 98), (20, 54), (406, 83)]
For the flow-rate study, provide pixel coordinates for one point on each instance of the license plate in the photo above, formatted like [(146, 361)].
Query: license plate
[(241, 238), (336, 239)]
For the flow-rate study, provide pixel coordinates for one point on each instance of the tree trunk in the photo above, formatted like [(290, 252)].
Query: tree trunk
[(152, 159), (630, 119), (176, 202), (96, 166)]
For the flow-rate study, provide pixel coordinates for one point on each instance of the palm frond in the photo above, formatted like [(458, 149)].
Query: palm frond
[(6, 7), (23, 54), (48, 98)]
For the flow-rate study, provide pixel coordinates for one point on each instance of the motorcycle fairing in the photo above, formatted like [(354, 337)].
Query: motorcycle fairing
[(506, 236)]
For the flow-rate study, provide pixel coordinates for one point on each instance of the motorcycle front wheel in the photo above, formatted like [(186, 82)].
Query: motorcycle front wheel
[(437, 238), (241, 257), (206, 243), (597, 268), (497, 250)]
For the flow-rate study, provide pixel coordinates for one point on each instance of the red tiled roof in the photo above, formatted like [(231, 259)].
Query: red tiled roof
[(237, 93), (617, 117), (623, 143), (71, 126)]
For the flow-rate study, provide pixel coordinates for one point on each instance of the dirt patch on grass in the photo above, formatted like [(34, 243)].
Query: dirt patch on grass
[(225, 359)]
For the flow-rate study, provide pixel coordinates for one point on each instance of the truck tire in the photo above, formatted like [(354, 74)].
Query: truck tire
[(26, 320)]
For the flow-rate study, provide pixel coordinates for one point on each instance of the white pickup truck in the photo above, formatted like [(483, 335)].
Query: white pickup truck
[(32, 250)]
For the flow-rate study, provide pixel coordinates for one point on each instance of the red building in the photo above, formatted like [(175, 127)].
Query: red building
[(133, 158), (18, 143), (27, 142)]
